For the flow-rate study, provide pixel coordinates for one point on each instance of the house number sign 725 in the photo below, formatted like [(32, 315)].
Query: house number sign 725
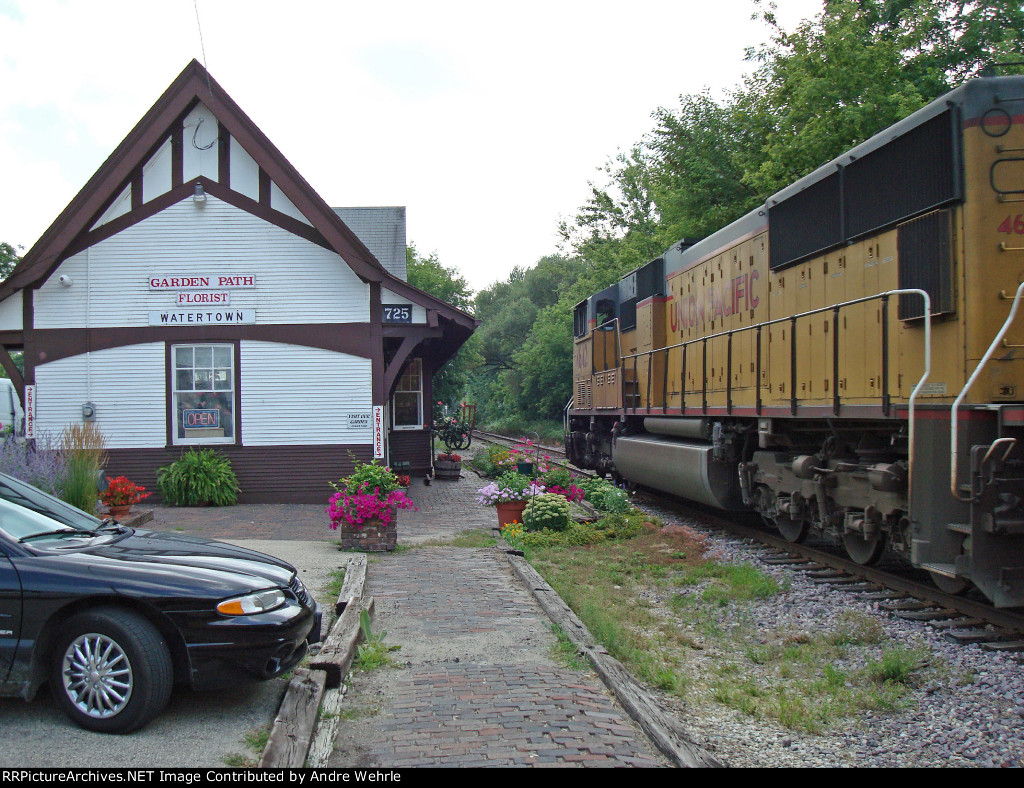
[(397, 313)]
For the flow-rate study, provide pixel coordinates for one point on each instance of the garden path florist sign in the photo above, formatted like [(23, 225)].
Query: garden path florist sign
[(378, 432), (204, 298)]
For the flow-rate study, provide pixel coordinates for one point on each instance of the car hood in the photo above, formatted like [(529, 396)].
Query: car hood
[(174, 562)]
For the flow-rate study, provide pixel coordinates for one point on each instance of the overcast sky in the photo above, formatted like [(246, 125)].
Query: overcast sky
[(486, 120)]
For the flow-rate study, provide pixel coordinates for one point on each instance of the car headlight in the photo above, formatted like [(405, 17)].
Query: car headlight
[(260, 602)]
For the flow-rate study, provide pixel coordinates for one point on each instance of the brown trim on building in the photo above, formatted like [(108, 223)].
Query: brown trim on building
[(237, 415), (176, 195), (123, 222), (136, 186), (260, 469), (13, 373), (265, 212), (192, 85), (27, 322), (377, 345), (347, 338), (223, 155), (397, 365), (168, 388), (264, 192), (177, 154), (12, 338)]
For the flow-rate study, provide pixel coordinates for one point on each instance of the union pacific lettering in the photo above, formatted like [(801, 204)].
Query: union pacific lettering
[(719, 301)]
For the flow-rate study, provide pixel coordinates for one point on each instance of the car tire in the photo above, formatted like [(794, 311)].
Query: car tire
[(111, 670)]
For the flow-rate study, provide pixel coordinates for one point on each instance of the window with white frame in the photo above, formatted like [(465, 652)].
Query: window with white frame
[(203, 398), (407, 404)]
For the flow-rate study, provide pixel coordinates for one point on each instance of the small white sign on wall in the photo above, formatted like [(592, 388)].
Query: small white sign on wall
[(378, 432), (359, 421)]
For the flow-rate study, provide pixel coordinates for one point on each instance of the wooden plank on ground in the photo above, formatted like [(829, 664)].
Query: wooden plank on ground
[(339, 647), (293, 729), (354, 584), (322, 746)]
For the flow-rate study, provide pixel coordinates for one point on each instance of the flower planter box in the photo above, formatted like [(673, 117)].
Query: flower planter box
[(510, 511), (449, 471), (371, 537)]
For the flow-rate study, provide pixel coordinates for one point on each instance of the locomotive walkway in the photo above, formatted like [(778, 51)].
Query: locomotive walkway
[(475, 682)]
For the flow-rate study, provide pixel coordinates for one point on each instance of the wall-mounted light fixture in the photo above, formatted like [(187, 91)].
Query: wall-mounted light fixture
[(65, 280), (199, 198), (88, 411)]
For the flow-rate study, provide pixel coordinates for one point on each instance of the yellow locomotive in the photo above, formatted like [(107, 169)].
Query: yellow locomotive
[(845, 359)]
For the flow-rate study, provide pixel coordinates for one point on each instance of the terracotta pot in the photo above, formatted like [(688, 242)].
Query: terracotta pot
[(444, 469), (120, 511), (510, 511)]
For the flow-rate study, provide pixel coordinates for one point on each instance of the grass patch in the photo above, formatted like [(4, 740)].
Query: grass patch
[(256, 741), (565, 653), (333, 587), (662, 606), (373, 652)]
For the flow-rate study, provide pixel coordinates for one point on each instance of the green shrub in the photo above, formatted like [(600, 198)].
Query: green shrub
[(488, 461), (605, 495), (558, 477), (546, 511), (199, 478), (81, 446)]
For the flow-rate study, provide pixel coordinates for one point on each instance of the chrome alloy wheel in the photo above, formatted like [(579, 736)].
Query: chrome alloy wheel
[(97, 675)]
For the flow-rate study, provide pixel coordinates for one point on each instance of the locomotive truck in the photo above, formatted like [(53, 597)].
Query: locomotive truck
[(847, 359)]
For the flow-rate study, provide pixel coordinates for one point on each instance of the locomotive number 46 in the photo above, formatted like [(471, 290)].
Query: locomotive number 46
[(1013, 224)]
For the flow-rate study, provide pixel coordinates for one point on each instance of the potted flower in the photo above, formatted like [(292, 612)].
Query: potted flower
[(121, 494), (509, 494), (455, 431), (448, 466), (365, 507)]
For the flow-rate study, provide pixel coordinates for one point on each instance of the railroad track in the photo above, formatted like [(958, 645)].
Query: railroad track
[(961, 619)]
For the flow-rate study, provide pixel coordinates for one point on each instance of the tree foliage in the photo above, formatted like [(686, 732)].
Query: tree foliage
[(813, 92), (9, 258)]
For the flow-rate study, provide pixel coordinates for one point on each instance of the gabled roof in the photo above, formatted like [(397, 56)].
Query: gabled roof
[(192, 85)]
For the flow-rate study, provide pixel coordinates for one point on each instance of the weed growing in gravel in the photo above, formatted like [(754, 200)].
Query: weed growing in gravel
[(808, 680), (564, 651), (373, 653), (333, 587)]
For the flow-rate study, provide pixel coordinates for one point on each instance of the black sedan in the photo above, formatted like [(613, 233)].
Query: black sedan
[(114, 616)]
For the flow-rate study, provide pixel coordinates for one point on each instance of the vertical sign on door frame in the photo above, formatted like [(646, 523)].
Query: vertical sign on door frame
[(378, 432), (30, 412)]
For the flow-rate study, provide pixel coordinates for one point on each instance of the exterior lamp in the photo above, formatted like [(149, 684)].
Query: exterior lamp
[(199, 198)]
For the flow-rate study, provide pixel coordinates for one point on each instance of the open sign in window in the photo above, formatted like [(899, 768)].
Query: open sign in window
[(203, 378)]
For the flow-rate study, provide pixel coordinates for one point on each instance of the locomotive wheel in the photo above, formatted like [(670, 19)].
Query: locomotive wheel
[(950, 585), (866, 552), (792, 530)]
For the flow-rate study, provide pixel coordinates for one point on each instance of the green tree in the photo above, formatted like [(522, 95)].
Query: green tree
[(9, 258), (446, 283)]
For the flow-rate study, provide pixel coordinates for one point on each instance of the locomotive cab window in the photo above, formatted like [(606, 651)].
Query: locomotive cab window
[(203, 395)]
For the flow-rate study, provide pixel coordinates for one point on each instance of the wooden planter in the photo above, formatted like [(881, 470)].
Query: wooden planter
[(371, 537), (446, 470), (510, 511)]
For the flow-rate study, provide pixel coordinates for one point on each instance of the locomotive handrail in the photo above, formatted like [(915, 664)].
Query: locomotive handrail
[(953, 431), (912, 400)]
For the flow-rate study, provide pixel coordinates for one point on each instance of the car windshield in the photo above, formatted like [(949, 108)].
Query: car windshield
[(17, 491), (20, 523)]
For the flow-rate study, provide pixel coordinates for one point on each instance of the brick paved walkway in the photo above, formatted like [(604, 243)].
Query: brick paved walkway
[(476, 683)]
